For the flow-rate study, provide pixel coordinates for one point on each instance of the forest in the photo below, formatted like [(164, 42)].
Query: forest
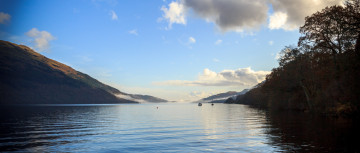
[(321, 74)]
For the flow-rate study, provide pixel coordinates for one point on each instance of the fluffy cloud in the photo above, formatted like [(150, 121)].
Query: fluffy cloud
[(113, 15), (192, 40), (174, 14), (277, 20), (133, 32), (4, 17), (129, 98), (239, 77), (290, 14), (218, 42), (236, 15), (246, 15), (41, 38), (271, 42)]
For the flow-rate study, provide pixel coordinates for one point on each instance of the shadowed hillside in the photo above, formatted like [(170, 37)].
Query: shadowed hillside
[(27, 77), (221, 97), (147, 98)]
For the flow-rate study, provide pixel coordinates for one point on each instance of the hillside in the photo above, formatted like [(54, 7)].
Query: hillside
[(221, 97), (27, 77), (147, 98), (141, 98)]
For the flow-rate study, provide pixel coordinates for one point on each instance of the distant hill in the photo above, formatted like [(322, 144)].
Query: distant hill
[(27, 77), (221, 97), (148, 98), (141, 98)]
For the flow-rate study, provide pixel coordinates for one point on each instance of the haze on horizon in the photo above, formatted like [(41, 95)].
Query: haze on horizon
[(181, 50)]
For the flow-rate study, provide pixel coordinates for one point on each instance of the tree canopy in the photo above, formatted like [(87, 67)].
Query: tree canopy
[(322, 73)]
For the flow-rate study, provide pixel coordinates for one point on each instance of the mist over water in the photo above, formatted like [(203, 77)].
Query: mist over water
[(168, 128)]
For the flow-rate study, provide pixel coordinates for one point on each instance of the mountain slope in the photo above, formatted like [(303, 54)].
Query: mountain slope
[(142, 98), (221, 97), (26, 77)]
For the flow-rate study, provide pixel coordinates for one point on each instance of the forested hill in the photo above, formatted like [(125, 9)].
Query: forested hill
[(322, 73), (27, 77), (221, 97)]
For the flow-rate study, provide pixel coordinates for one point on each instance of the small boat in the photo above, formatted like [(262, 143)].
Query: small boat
[(200, 104)]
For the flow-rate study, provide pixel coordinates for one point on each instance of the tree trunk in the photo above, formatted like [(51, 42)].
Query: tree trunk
[(307, 94)]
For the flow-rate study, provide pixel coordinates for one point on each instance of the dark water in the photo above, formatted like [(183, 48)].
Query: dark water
[(171, 128)]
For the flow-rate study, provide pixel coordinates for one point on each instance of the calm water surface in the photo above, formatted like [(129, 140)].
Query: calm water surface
[(170, 128)]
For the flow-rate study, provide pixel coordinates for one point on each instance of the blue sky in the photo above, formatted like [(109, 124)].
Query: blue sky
[(178, 50)]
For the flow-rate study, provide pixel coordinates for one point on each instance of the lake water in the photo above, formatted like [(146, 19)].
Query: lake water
[(171, 128)]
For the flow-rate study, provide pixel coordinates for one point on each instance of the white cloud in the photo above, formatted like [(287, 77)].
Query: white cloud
[(113, 15), (218, 42), (246, 15), (41, 38), (130, 98), (240, 77), (216, 60), (192, 40), (278, 20), (133, 32), (174, 14), (290, 14), (271, 43), (4, 17)]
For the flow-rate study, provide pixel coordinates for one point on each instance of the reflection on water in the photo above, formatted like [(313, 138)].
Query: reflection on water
[(171, 128), (301, 132)]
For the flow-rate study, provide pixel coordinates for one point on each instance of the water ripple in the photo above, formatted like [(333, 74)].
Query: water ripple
[(143, 128)]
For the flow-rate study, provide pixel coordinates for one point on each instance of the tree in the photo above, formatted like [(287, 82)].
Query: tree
[(335, 29), (322, 73), (353, 16), (288, 54)]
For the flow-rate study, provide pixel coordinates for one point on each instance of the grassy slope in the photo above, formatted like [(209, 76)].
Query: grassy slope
[(29, 77)]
